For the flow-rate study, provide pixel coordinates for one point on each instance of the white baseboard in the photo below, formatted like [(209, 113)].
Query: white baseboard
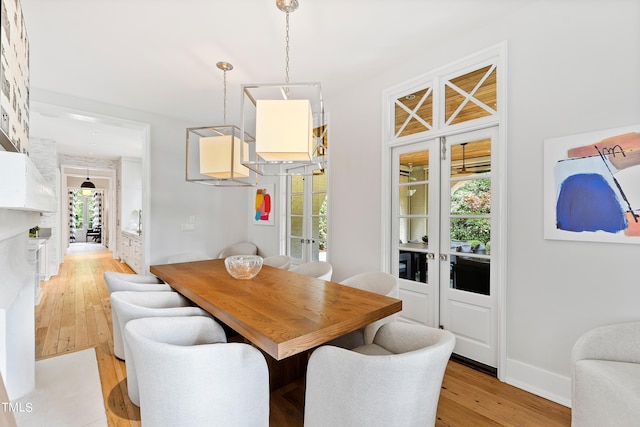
[(53, 270), (548, 385)]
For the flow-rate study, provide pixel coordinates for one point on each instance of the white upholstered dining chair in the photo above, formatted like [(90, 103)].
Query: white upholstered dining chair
[(242, 248), (188, 375), (117, 282), (395, 381), (278, 261), (318, 269), (187, 257), (136, 305), (378, 282), (121, 282)]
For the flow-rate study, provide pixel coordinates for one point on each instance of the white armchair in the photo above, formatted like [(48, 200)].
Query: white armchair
[(375, 281), (318, 269), (278, 261), (117, 282), (395, 381), (186, 378), (243, 248), (121, 282), (131, 305), (135, 305), (606, 377), (187, 257)]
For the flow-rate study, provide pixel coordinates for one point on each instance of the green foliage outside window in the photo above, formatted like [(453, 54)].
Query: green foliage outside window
[(79, 210), (323, 225), (472, 198), (80, 207)]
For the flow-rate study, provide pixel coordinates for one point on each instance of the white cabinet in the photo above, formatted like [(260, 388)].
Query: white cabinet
[(131, 250), (38, 259), (22, 186)]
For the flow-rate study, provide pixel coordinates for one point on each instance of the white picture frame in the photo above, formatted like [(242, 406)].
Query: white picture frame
[(262, 204), (592, 186)]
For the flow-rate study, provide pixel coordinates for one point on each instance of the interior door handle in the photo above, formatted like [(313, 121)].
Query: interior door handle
[(443, 257), (431, 255)]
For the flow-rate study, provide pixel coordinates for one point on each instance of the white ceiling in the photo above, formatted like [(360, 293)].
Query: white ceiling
[(85, 135), (160, 55)]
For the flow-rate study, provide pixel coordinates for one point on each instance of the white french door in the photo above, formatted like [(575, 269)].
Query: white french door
[(443, 228), (415, 229), (307, 217), (468, 299)]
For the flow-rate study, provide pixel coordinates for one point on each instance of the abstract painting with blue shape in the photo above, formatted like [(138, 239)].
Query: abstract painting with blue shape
[(587, 202), (592, 186)]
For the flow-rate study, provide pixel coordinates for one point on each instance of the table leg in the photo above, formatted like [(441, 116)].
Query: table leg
[(285, 371)]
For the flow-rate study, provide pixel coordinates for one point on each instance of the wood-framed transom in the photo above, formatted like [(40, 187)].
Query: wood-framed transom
[(447, 100)]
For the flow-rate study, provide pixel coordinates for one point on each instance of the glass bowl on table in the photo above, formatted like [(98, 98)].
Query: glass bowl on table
[(243, 267)]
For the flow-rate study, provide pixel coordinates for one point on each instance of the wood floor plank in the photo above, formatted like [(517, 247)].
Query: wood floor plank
[(452, 414), (43, 316), (50, 345), (75, 313), (92, 325), (81, 327), (500, 402), (41, 334)]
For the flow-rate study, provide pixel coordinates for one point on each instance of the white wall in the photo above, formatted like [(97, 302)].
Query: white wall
[(573, 67), (219, 212)]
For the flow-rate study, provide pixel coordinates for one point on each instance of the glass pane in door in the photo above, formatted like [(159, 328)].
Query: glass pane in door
[(413, 215), (470, 273), (307, 217), (295, 248), (319, 217), (470, 216)]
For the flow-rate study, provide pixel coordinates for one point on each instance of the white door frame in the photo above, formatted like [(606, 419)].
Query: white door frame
[(110, 176), (81, 163), (389, 141)]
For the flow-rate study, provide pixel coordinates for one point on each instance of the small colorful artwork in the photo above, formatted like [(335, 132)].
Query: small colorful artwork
[(263, 205), (592, 186)]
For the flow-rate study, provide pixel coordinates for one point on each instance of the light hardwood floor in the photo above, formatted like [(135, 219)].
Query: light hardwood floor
[(75, 313)]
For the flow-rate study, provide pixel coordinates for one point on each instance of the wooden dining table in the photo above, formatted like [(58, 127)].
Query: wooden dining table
[(279, 311)]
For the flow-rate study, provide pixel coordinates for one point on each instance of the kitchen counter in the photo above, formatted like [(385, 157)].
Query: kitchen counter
[(132, 233), (131, 249)]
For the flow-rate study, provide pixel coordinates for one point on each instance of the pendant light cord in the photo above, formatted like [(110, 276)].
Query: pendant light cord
[(224, 108), (287, 6), (224, 66), (286, 69)]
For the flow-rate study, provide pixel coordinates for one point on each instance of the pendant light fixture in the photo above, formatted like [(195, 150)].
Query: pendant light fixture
[(289, 119), (464, 158), (463, 169), (87, 186), (214, 152)]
